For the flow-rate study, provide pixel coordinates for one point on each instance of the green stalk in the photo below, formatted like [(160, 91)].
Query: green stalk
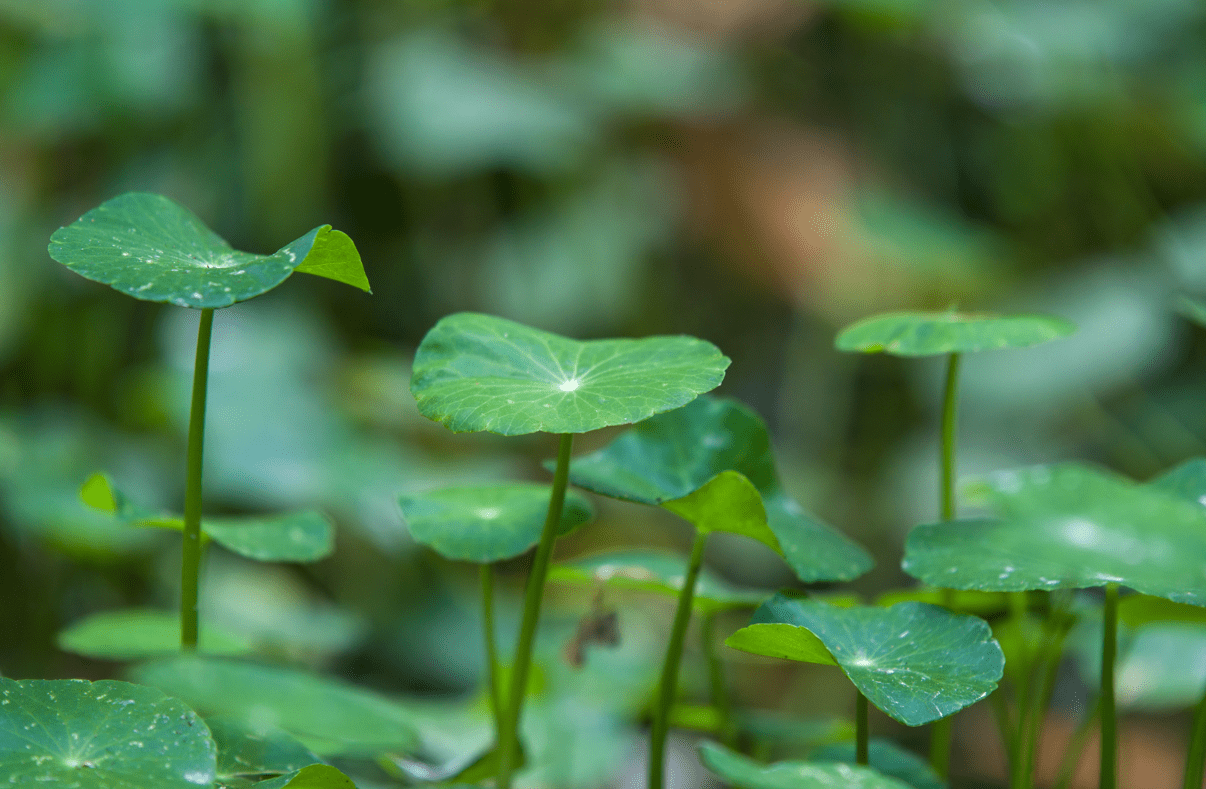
[(1195, 757), (190, 564), (508, 736), (668, 686), (861, 733), (1109, 651), (719, 688), (940, 732), (492, 667)]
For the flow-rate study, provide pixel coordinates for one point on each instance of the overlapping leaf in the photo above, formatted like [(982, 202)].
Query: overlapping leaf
[(245, 753), (934, 333), (739, 771), (1068, 526), (138, 633), (887, 757), (151, 248), (675, 454), (487, 523), (476, 372)]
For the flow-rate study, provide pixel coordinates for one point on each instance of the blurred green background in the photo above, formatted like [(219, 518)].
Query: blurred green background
[(754, 172)]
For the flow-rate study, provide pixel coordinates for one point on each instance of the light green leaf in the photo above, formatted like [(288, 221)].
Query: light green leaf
[(153, 249), (1140, 609), (140, 633), (650, 571), (788, 642), (748, 774), (934, 333), (676, 453), (476, 372), (247, 752), (330, 717), (316, 776), (487, 523), (1186, 481), (1068, 527), (730, 503), (887, 757), (916, 662), (100, 735)]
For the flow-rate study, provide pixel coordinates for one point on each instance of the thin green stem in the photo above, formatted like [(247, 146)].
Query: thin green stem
[(716, 680), (1109, 651), (508, 737), (190, 564), (492, 667), (940, 732), (668, 687), (1195, 757), (862, 735)]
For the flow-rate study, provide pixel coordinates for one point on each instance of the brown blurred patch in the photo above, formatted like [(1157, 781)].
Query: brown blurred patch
[(739, 18)]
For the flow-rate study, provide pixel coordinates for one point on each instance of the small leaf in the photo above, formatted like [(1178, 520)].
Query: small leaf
[(487, 523), (887, 757), (316, 776), (748, 774), (476, 372), (1068, 527), (788, 642), (153, 249), (98, 494), (140, 633), (99, 735), (650, 571), (916, 662), (246, 752), (730, 503), (934, 333)]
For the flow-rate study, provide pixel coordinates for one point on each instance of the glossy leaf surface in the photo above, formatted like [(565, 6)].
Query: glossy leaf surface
[(1068, 526), (652, 571), (887, 757), (745, 773), (246, 752), (141, 633), (934, 333), (100, 735), (675, 454), (916, 662), (487, 523), (475, 372), (153, 249), (330, 717)]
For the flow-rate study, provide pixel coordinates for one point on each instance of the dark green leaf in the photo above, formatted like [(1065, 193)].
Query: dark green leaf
[(887, 757), (487, 523), (747, 774), (476, 372), (933, 333), (141, 633), (100, 735), (153, 249), (245, 751)]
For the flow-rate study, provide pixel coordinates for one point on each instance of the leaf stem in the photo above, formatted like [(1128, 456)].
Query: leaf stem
[(190, 563), (861, 732), (1109, 651), (508, 737), (1195, 756), (668, 686), (940, 732), (716, 679), (492, 667)]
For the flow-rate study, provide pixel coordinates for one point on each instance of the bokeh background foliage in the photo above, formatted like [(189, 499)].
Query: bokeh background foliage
[(754, 172)]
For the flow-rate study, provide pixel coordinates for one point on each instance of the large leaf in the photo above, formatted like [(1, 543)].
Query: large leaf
[(327, 715), (933, 333), (650, 571), (1068, 526), (487, 523), (245, 752), (887, 757), (748, 774), (916, 662), (476, 372), (138, 633), (100, 735), (153, 249), (673, 455)]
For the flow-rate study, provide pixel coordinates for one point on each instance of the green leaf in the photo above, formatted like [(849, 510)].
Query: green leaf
[(1140, 609), (140, 633), (887, 757), (1187, 481), (100, 735), (676, 453), (487, 523), (247, 752), (328, 716), (650, 571), (476, 372), (153, 249), (916, 662), (1068, 527), (316, 776), (730, 503), (934, 333), (788, 642), (748, 774), (969, 602)]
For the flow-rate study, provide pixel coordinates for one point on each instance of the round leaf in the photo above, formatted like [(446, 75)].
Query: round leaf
[(487, 523), (100, 735), (916, 662), (748, 774), (675, 454), (934, 333), (887, 757), (246, 752), (141, 633), (153, 249), (476, 372), (1068, 527), (649, 571), (328, 716)]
